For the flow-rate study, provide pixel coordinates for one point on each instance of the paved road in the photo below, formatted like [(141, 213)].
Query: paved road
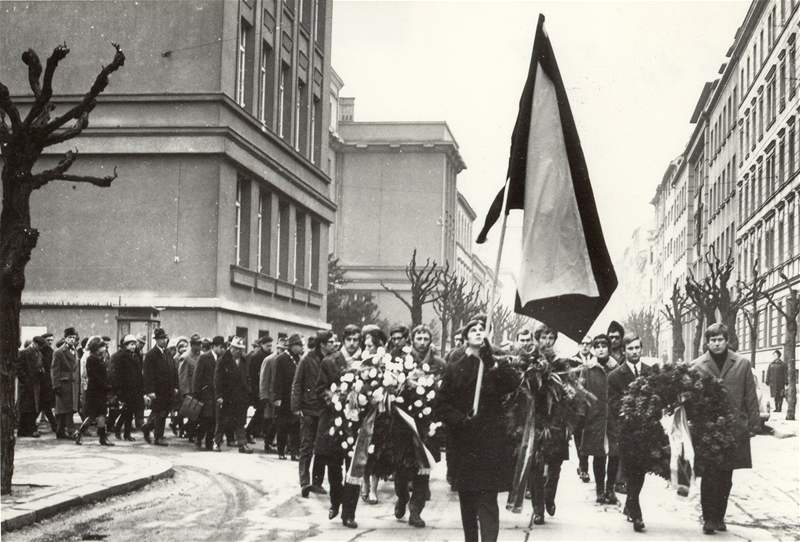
[(230, 496)]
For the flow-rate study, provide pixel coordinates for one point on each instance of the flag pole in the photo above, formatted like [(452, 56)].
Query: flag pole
[(493, 297)]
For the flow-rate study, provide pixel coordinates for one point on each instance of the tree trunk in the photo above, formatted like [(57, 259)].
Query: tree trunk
[(729, 319), (698, 336), (789, 347), (678, 345), (416, 313), (445, 322), (17, 240)]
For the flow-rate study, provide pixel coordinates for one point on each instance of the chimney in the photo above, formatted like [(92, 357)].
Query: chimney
[(347, 109)]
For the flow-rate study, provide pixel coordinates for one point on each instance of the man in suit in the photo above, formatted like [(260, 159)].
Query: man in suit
[(776, 379), (266, 376), (160, 387), (254, 360), (288, 428), (737, 379), (203, 391), (618, 381), (232, 394), (64, 374)]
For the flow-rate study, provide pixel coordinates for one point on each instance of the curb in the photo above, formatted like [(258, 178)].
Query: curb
[(29, 513)]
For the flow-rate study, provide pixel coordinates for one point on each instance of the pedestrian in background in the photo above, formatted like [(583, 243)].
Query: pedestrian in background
[(263, 348), (46, 396), (160, 385), (232, 394), (98, 391), (266, 390), (203, 391), (29, 377), (776, 379), (288, 430), (65, 378), (128, 385)]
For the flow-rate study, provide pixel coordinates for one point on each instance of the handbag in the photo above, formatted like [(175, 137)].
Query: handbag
[(190, 408)]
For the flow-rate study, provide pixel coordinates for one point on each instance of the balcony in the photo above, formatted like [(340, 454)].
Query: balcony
[(262, 284)]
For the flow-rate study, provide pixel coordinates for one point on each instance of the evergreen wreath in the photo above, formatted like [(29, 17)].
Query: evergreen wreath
[(711, 423)]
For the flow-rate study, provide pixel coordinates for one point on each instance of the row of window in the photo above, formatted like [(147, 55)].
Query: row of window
[(778, 247), (273, 225), (722, 186), (764, 179), (771, 328)]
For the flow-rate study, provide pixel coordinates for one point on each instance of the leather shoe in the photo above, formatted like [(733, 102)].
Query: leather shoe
[(399, 509), (721, 526), (147, 438), (551, 508), (708, 527), (217, 448), (350, 523), (638, 525), (333, 511), (538, 519), (414, 520), (159, 442), (129, 438), (281, 456), (611, 498), (245, 450), (305, 491), (318, 489), (584, 476)]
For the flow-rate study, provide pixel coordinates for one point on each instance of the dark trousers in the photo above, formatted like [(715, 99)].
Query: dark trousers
[(605, 472), (64, 422), (205, 431), (308, 433), (48, 414), (715, 486), (635, 481), (255, 426), (479, 508), (419, 484), (583, 460), (778, 402), (125, 420), (342, 495), (268, 429), (27, 423), (544, 486), (288, 430), (155, 423), (231, 418)]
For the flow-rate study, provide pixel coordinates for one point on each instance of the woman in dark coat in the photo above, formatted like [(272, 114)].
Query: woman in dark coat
[(126, 370), (480, 446), (327, 448), (98, 390)]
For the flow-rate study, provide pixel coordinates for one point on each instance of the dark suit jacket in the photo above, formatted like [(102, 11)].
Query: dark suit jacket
[(285, 366), (203, 383), (160, 378), (618, 381), (254, 361), (230, 383)]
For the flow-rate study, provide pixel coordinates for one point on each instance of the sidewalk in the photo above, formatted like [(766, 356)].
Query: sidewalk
[(52, 477)]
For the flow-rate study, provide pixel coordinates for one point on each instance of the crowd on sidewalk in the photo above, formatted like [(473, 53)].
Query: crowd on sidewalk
[(204, 387)]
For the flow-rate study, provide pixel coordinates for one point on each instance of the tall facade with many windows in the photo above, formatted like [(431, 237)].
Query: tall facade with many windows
[(218, 222)]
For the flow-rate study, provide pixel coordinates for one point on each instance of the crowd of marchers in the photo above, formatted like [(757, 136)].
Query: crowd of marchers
[(285, 384)]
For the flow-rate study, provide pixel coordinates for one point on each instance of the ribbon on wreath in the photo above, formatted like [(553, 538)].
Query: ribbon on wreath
[(681, 456), (524, 457), (423, 457), (358, 464)]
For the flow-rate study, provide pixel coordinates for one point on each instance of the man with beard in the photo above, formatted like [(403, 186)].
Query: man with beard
[(127, 384), (307, 406), (254, 360), (65, 378), (232, 394), (287, 424), (46, 399), (599, 433), (734, 372), (203, 391), (618, 382), (29, 376), (160, 385)]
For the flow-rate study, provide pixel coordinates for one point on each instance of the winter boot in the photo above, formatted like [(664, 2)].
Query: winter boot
[(101, 432)]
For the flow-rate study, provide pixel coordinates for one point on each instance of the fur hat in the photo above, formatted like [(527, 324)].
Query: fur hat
[(70, 331), (294, 339), (615, 327)]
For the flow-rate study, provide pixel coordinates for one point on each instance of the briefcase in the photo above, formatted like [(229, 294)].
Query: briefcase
[(190, 408)]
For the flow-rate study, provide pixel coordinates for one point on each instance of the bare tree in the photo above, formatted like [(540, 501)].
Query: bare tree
[(443, 306), (642, 322), (424, 283), (673, 312), (22, 141), (753, 291), (789, 311)]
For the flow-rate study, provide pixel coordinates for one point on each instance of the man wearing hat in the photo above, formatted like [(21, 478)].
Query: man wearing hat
[(29, 376), (232, 394), (263, 348), (203, 391), (128, 386), (286, 421), (64, 374), (266, 377), (141, 344), (187, 364), (160, 385)]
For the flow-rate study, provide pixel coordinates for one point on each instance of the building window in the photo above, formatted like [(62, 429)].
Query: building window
[(264, 231), (790, 234), (320, 23), (241, 332), (300, 249), (780, 242), (301, 119), (265, 98), (792, 71), (762, 326), (283, 240), (790, 156), (242, 225), (316, 130), (781, 168), (244, 72), (284, 104), (315, 255)]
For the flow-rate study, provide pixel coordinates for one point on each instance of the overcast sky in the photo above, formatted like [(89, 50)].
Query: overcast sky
[(633, 73)]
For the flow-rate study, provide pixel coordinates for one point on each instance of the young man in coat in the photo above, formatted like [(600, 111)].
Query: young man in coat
[(64, 374), (128, 385), (203, 391), (160, 385), (232, 394), (286, 422), (618, 381), (46, 398), (776, 379), (266, 377), (598, 432), (255, 359), (737, 379), (307, 406), (582, 358)]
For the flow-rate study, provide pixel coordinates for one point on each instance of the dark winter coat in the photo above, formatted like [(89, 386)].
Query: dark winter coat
[(330, 370), (160, 378), (230, 384), (598, 428), (285, 367), (776, 378), (46, 397), (304, 393), (254, 361), (126, 378), (266, 377), (203, 383), (618, 381), (29, 377), (98, 387), (480, 445), (737, 379), (64, 374)]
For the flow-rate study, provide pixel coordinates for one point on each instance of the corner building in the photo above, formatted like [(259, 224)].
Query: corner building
[(217, 123)]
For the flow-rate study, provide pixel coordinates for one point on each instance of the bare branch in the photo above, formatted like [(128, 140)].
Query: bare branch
[(64, 135), (89, 99), (31, 59), (7, 106), (43, 97), (397, 295), (42, 178)]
